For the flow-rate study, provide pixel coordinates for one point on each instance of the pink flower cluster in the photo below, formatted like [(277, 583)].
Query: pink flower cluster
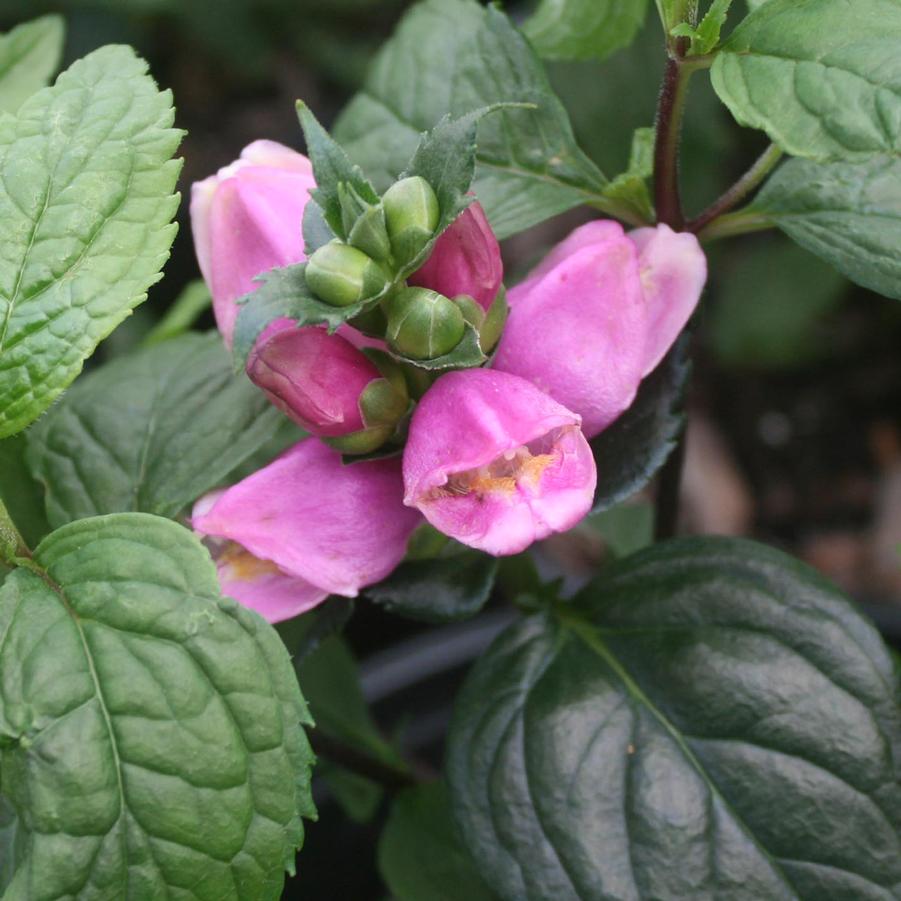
[(495, 457)]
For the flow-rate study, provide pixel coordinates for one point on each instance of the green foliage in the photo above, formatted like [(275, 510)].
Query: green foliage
[(770, 303), (708, 719), (818, 76), (192, 302), (849, 214), (420, 856), (150, 740), (85, 209), (438, 590), (629, 452), (149, 432), (584, 29), (454, 56), (631, 187), (706, 35), (22, 494), (29, 56)]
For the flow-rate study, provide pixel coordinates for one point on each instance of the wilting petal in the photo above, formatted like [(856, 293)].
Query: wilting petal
[(246, 219), (337, 527), (495, 463), (673, 272), (577, 326), (466, 260)]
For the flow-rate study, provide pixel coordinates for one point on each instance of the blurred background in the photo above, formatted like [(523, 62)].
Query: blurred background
[(795, 435)]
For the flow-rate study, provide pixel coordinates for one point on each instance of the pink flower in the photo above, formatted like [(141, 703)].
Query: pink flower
[(599, 313), (306, 526), (246, 219), (312, 376), (496, 463), (466, 260)]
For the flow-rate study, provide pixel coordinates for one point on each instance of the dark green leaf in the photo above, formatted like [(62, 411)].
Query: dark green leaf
[(630, 451), (819, 76), (29, 56), (772, 304), (847, 213), (710, 719), (420, 856), (21, 493), (150, 740), (149, 432), (316, 231), (584, 29), (86, 206), (331, 167), (439, 590), (304, 633), (454, 56)]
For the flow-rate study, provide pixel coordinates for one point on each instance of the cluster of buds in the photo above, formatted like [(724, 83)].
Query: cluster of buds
[(495, 457)]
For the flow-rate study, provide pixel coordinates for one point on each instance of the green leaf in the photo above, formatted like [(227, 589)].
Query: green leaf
[(150, 432), (330, 679), (438, 590), (150, 740), (849, 214), (631, 188), (710, 719), (22, 494), (29, 56), (771, 307), (584, 29), (629, 452), (193, 301), (283, 293), (316, 231), (420, 856), (331, 167), (466, 354), (454, 56), (86, 205), (626, 528), (707, 34), (818, 76)]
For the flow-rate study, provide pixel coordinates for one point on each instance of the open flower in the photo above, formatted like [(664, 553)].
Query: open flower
[(599, 313), (304, 527), (246, 219), (466, 259), (495, 463)]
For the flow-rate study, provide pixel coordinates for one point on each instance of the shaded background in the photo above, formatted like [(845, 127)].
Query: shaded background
[(795, 435)]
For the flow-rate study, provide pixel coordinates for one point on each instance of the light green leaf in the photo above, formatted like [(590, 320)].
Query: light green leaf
[(150, 740), (710, 719), (584, 29), (631, 187), (849, 214), (707, 34), (150, 432), (29, 56), (454, 56), (821, 77), (420, 856), (86, 202)]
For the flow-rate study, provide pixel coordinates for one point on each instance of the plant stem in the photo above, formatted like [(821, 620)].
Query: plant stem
[(388, 775), (740, 222), (666, 505), (670, 107), (739, 191)]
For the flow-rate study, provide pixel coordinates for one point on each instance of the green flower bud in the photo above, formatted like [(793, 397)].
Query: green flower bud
[(363, 442), (423, 324), (495, 319), (411, 215), (471, 309), (341, 275)]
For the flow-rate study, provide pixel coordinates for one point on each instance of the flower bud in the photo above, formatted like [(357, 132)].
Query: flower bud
[(341, 275), (411, 214), (495, 319), (246, 220), (496, 464), (423, 324), (472, 312), (466, 259)]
